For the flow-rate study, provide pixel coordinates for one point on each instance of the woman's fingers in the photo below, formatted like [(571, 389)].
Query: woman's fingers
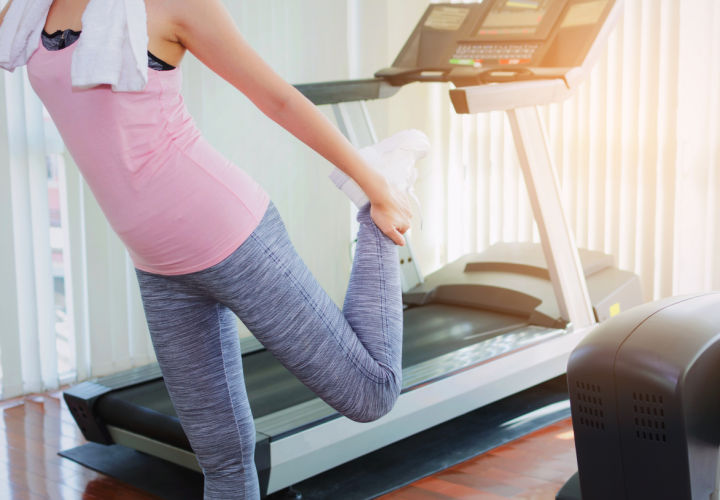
[(397, 238), (392, 215), (403, 227), (392, 232), (396, 231)]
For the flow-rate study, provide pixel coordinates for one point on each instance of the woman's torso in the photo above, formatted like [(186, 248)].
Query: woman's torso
[(178, 204)]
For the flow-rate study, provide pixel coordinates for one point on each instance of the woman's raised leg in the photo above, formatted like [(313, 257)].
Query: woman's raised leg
[(373, 302), (351, 361)]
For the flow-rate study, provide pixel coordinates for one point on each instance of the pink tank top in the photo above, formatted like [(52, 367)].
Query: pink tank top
[(178, 205)]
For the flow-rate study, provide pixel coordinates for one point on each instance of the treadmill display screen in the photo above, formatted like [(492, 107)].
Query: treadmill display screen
[(447, 18), (515, 17)]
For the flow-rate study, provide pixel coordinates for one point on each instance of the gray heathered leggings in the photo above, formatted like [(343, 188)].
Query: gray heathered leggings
[(351, 359)]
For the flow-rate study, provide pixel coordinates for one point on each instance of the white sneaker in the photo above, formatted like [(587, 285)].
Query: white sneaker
[(395, 158)]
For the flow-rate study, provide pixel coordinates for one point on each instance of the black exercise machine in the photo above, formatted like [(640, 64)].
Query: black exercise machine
[(645, 406)]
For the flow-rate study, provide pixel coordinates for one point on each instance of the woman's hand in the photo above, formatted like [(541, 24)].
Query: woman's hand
[(389, 209)]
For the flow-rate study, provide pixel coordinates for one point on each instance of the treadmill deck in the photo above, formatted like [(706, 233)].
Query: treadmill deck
[(439, 339)]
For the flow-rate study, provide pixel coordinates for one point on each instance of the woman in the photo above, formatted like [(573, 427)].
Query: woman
[(207, 242)]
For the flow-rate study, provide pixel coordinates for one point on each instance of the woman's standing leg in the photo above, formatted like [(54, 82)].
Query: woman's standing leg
[(354, 367), (197, 345)]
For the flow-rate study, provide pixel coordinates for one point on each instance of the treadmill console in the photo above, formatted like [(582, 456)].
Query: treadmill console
[(499, 40)]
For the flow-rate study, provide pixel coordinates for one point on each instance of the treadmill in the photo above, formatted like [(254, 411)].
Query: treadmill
[(482, 328)]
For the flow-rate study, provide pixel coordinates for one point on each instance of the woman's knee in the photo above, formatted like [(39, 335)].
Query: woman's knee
[(376, 401)]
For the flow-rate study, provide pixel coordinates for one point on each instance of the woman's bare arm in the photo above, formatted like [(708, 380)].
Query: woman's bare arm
[(206, 28)]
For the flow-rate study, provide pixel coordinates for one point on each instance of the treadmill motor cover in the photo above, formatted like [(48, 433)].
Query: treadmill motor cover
[(513, 278), (645, 407)]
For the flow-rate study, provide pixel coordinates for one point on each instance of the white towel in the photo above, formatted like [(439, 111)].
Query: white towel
[(111, 50), (20, 31)]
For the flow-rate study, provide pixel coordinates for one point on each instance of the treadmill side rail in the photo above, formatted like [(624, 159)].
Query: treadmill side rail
[(347, 91), (188, 459)]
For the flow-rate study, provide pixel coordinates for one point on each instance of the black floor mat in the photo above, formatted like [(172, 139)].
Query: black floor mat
[(367, 477), (147, 473)]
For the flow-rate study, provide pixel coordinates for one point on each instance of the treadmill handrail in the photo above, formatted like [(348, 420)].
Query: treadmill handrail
[(340, 91)]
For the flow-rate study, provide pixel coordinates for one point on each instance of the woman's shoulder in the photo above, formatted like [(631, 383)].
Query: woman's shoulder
[(169, 12), (160, 14), (162, 30)]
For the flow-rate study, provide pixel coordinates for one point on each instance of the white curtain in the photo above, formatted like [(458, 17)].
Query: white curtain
[(26, 304), (636, 151)]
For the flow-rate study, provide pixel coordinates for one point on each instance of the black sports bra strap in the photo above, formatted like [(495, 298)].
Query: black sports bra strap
[(61, 39)]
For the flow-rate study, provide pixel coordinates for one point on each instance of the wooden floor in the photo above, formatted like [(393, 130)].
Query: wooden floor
[(532, 468), (34, 428)]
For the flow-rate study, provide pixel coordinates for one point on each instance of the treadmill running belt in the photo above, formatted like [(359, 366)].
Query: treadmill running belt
[(430, 331)]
